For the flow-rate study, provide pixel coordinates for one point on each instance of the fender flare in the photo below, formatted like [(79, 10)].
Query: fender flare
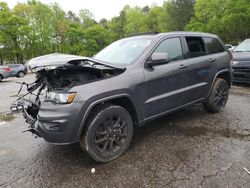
[(216, 76), (93, 104)]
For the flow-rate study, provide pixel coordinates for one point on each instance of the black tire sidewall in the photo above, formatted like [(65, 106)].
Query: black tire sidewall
[(210, 104), (93, 125)]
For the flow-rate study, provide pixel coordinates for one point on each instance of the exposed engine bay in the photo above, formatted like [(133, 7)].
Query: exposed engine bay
[(58, 78)]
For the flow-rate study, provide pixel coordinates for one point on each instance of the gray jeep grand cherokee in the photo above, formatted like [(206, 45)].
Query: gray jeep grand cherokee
[(99, 101)]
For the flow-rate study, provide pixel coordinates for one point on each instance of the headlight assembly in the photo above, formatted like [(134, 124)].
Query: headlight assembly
[(60, 98)]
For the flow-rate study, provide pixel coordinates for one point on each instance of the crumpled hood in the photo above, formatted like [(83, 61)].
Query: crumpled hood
[(58, 59)]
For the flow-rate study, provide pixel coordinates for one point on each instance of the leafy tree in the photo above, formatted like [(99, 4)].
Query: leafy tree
[(155, 19), (97, 37), (75, 39), (12, 32), (60, 27), (236, 20), (33, 28), (72, 17), (117, 26), (229, 19), (135, 20), (87, 18), (178, 13)]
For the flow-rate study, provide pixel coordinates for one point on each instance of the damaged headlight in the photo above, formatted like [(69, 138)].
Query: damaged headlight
[(60, 98)]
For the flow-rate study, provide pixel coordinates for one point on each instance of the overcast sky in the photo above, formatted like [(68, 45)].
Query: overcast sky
[(100, 8)]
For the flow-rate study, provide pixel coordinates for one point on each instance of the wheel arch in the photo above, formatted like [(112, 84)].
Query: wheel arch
[(121, 100), (226, 75), (20, 71)]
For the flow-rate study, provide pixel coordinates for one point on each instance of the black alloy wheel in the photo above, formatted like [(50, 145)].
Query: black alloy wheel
[(111, 134), (218, 97), (221, 95), (108, 134)]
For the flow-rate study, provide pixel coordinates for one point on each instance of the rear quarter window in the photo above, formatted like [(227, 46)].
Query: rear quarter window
[(213, 45)]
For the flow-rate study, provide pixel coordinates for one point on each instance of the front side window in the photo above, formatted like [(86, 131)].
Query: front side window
[(196, 47), (213, 45), (173, 47)]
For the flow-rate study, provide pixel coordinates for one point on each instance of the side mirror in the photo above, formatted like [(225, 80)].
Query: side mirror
[(158, 58)]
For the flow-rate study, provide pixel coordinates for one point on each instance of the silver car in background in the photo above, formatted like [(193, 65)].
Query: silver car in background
[(4, 72), (17, 70), (12, 70)]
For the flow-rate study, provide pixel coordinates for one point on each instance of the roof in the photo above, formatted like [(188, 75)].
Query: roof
[(181, 33), (188, 33)]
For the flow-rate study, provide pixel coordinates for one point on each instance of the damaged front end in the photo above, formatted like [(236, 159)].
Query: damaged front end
[(51, 90)]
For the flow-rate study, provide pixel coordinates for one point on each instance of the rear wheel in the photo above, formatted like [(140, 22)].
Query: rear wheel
[(1, 77), (218, 96), (20, 74), (108, 134)]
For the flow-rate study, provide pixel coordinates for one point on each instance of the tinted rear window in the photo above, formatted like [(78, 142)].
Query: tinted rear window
[(196, 47), (213, 45)]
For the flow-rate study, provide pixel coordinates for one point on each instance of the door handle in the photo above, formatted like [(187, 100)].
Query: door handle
[(182, 66), (211, 60)]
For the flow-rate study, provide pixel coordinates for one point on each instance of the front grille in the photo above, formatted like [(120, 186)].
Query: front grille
[(241, 74), (241, 69)]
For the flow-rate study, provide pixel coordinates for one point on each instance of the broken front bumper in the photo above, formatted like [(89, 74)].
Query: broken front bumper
[(57, 124)]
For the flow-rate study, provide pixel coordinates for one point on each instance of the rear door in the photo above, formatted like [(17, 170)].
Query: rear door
[(200, 67), (13, 69)]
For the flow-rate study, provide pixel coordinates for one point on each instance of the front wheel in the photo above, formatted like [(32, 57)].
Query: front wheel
[(108, 133), (218, 96)]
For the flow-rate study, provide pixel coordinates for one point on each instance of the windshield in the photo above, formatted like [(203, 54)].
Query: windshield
[(123, 52), (243, 47)]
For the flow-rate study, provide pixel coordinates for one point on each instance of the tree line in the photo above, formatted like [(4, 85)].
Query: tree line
[(31, 29)]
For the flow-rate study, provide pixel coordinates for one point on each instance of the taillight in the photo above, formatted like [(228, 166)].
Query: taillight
[(6, 69)]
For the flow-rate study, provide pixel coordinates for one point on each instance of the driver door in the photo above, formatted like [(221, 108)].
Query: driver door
[(167, 84)]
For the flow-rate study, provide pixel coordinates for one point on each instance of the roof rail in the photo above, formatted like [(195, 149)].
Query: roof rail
[(138, 34)]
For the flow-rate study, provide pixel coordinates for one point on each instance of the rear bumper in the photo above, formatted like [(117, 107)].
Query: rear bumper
[(58, 124), (241, 74)]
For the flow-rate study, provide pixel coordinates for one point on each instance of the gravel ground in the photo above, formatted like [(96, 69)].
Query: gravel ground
[(189, 148)]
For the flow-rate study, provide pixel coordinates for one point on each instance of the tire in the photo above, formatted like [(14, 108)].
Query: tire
[(20, 74), (108, 133), (1, 77), (218, 96)]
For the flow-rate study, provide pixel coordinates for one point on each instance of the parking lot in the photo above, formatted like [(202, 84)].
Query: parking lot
[(189, 148)]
